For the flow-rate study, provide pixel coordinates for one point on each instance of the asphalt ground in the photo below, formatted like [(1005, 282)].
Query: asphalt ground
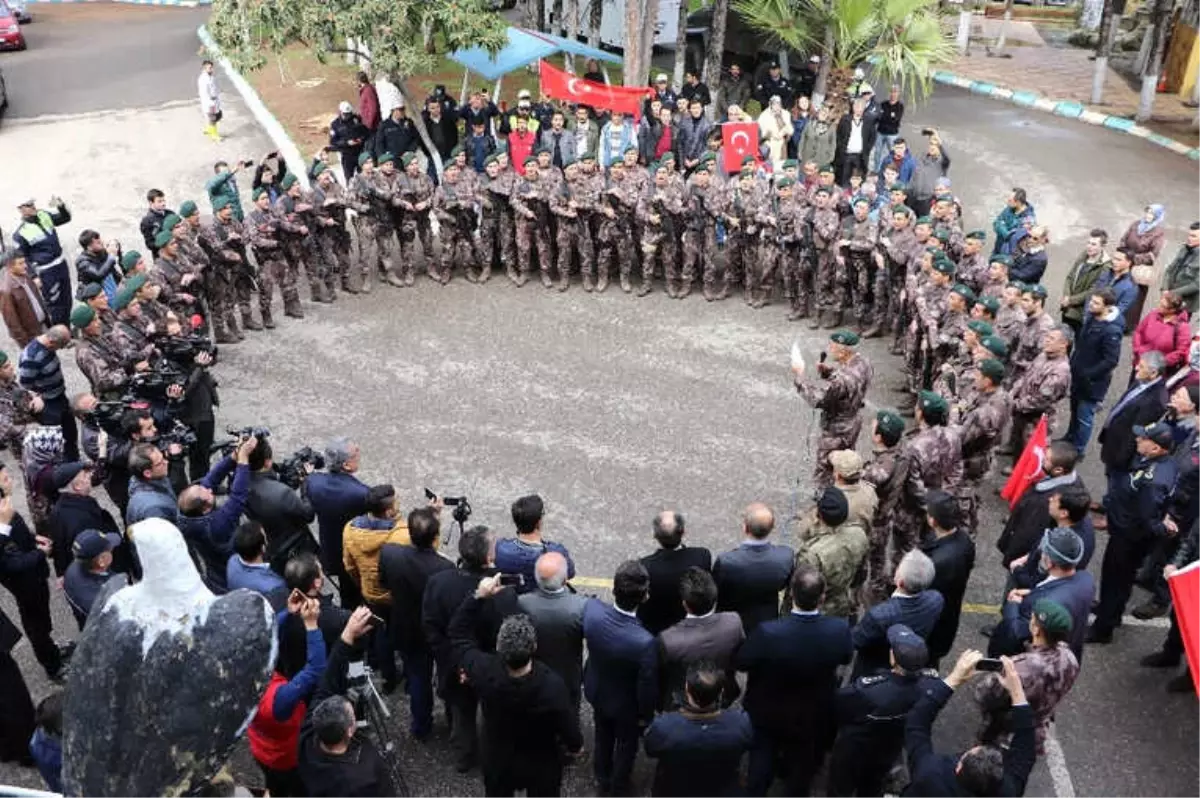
[(611, 407)]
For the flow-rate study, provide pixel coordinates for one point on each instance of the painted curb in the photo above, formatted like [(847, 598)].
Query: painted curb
[(174, 3), (283, 142), (1068, 109)]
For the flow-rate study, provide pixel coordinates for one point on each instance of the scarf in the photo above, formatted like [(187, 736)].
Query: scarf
[(1144, 227)]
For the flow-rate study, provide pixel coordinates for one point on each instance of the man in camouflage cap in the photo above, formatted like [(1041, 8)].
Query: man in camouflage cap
[(839, 393), (100, 361), (263, 229), (836, 545)]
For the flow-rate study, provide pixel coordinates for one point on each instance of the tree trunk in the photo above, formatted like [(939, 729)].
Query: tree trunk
[(836, 100), (1004, 26), (419, 123), (714, 58), (681, 44), (1159, 21), (823, 72), (1106, 44), (633, 40), (558, 13), (1105, 20), (593, 23), (569, 20), (649, 23), (1093, 12)]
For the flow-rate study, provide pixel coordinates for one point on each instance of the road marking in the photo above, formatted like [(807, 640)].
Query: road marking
[(1056, 763)]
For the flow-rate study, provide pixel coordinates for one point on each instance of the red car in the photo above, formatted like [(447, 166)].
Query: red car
[(11, 37)]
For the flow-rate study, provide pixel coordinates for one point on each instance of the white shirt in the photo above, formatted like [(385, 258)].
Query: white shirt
[(210, 95), (624, 612), (855, 144)]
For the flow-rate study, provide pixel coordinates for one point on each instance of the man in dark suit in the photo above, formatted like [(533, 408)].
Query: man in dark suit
[(1141, 405), (750, 577), (952, 552), (1061, 551), (792, 675), (557, 615), (704, 635), (405, 571), (855, 140), (1031, 516), (337, 497), (982, 770), (620, 678), (913, 603), (665, 567)]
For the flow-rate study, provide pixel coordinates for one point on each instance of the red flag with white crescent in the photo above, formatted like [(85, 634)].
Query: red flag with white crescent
[(738, 139), (1028, 468), (567, 87), (1185, 590)]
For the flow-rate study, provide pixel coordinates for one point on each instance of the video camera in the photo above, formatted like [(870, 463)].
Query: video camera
[(180, 433), (152, 385), (292, 471), (107, 416), (182, 349)]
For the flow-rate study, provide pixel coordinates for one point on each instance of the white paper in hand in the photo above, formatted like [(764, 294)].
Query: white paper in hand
[(797, 356)]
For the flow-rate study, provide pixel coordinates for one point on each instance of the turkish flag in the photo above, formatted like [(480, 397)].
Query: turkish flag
[(564, 86), (738, 139), (1185, 592), (1028, 469)]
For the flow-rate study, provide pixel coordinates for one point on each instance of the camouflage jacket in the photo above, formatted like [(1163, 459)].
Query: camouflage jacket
[(192, 254), (330, 203), (930, 302), (887, 471), (665, 202), (826, 227), (531, 200), (838, 553), (360, 195), (840, 398), (224, 242), (703, 205), (1047, 675), (15, 419), (934, 463), (862, 236), (954, 244), (1029, 343), (898, 245), (916, 251), (415, 190), (102, 364), (981, 429), (1010, 321), (291, 214), (991, 287), (639, 180), (263, 228), (454, 204), (553, 178), (951, 329), (586, 192), (972, 271), (131, 341), (169, 275), (1043, 385)]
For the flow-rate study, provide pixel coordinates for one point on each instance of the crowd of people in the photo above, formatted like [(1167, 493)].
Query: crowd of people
[(841, 677)]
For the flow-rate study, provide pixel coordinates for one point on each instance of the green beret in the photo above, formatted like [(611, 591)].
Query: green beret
[(786, 182), (990, 303), (530, 159), (1002, 259), (386, 157), (3, 358), (188, 208), (898, 187), (827, 169), (791, 163), (889, 422), (631, 148), (845, 338), (708, 157), (1037, 290), (965, 292), (288, 181), (89, 291), (944, 198), (980, 328), (493, 158), (542, 151), (259, 193), (130, 259), (134, 282), (364, 157), (456, 151), (992, 369), (81, 316), (451, 165), (163, 238), (748, 170), (902, 208), (943, 266), (929, 401), (924, 220), (996, 345), (591, 156), (319, 168), (978, 235), (169, 222), (749, 159), (942, 235), (859, 198), (667, 156), (220, 203), (124, 297), (407, 158), (1017, 284), (1052, 617)]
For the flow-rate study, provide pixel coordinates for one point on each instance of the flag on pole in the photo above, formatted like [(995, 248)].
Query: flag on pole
[(564, 86), (1185, 593), (1028, 469), (738, 139)]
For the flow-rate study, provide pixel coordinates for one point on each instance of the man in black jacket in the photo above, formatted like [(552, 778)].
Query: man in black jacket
[(953, 554), (527, 715), (855, 140), (665, 566), (348, 135), (444, 593), (283, 513), (442, 126), (405, 571), (77, 510), (95, 264), (151, 224), (1141, 405), (137, 426), (750, 577), (1031, 515), (397, 134)]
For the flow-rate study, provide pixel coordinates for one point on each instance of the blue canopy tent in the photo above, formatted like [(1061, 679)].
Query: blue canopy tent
[(524, 47)]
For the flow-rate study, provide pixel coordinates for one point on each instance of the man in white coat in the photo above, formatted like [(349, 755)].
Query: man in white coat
[(210, 100)]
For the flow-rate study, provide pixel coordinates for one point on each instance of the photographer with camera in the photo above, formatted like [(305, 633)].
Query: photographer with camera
[(112, 450), (153, 483), (209, 529), (338, 496), (197, 395), (334, 759), (283, 511)]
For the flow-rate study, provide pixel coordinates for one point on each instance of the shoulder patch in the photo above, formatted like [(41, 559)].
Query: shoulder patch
[(867, 681)]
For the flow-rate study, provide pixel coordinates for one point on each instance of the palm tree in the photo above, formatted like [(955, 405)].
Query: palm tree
[(902, 38)]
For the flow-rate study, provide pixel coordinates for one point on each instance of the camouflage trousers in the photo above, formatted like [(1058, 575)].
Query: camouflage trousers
[(222, 299), (574, 237), (296, 263), (531, 234), (335, 249), (491, 241), (614, 240), (798, 280), (366, 254), (843, 436), (830, 282), (887, 294), (861, 270), (417, 227), (272, 272), (458, 247), (699, 256), (760, 275), (914, 357), (657, 246), (738, 250)]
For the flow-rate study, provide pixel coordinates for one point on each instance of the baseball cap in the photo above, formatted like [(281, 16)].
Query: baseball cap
[(65, 472), (1159, 433), (523, 94), (91, 543), (846, 463), (908, 648), (661, 77), (345, 107)]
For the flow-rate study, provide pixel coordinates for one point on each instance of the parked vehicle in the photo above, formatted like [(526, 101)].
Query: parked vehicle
[(11, 37), (21, 9)]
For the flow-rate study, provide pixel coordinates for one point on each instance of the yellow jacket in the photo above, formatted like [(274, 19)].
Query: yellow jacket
[(362, 540)]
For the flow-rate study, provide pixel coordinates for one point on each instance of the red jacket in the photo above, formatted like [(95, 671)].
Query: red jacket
[(368, 106), (520, 147), (1171, 338), (274, 743)]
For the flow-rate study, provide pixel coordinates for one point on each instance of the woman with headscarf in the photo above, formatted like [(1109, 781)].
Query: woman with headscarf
[(775, 129), (1144, 239), (41, 451)]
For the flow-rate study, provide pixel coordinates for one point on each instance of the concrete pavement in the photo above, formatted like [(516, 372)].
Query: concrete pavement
[(610, 407)]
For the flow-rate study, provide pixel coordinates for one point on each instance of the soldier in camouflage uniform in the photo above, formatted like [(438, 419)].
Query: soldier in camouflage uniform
[(18, 407), (858, 256), (995, 279), (981, 429), (826, 229), (945, 226), (100, 361), (570, 204), (951, 344), (397, 264), (225, 242), (414, 194), (934, 454), (369, 213), (493, 202), (837, 547), (896, 243), (129, 334), (704, 203), (531, 205), (659, 211), (333, 239), (955, 378), (929, 290), (839, 395), (614, 239), (1033, 332), (973, 265), (586, 193), (1048, 669), (503, 187), (292, 234), (263, 229), (173, 277), (887, 472), (1010, 321), (1038, 391), (798, 258), (194, 255), (776, 221), (741, 204), (915, 260), (92, 295), (454, 207)]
